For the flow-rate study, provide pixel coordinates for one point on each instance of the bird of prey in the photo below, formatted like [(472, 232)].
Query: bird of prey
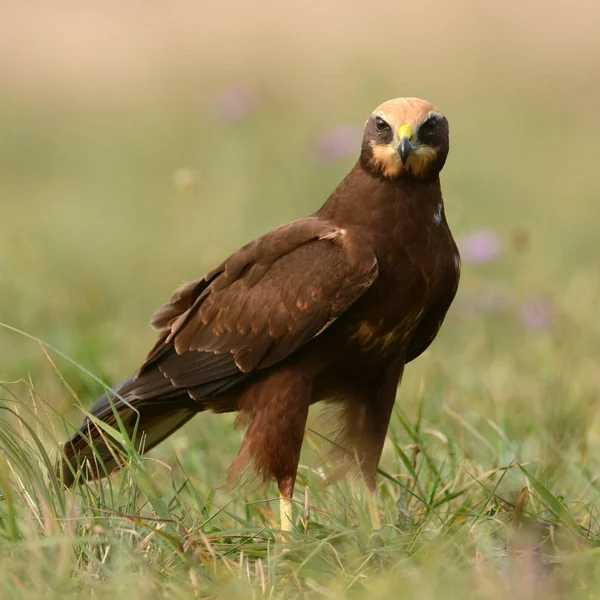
[(328, 307)]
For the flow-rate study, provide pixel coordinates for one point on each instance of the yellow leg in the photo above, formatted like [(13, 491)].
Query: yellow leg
[(285, 514), (373, 510)]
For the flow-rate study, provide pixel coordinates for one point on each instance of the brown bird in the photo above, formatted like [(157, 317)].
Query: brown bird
[(328, 307)]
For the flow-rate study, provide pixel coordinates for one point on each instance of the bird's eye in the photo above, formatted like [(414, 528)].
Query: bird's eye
[(381, 124), (429, 127)]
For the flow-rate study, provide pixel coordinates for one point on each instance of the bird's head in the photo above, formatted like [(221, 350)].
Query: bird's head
[(405, 137)]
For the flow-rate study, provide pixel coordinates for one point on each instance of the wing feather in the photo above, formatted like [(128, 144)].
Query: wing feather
[(256, 309), (261, 305)]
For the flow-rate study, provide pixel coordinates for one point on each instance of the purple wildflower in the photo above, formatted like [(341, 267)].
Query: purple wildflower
[(480, 247), (535, 314), (236, 103), (338, 143)]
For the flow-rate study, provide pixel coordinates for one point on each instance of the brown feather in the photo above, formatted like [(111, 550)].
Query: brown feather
[(329, 307)]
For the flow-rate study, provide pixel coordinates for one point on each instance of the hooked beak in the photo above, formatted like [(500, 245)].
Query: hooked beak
[(405, 148)]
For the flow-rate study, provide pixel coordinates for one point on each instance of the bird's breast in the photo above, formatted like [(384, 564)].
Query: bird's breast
[(411, 280), (382, 338)]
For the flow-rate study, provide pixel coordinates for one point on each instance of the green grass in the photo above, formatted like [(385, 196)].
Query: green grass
[(488, 479)]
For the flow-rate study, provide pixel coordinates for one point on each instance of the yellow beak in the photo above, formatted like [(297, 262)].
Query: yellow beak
[(405, 131)]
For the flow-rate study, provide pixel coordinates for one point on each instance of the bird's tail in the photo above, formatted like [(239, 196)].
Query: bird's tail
[(98, 446)]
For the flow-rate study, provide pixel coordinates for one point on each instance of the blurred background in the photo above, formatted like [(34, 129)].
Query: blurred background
[(141, 142)]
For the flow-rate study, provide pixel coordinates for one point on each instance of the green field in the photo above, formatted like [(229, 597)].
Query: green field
[(488, 483)]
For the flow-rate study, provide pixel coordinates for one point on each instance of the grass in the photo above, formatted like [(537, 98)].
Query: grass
[(462, 507), (487, 486)]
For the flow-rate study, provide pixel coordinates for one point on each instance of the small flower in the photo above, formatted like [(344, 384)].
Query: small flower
[(236, 103), (341, 142), (521, 239), (535, 314), (186, 181), (480, 247)]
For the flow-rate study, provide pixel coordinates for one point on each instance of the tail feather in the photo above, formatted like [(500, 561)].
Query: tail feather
[(150, 422), (150, 405)]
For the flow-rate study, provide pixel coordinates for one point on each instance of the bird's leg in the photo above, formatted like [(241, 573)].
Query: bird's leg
[(368, 469), (367, 422), (286, 492), (373, 510), (367, 458), (277, 408)]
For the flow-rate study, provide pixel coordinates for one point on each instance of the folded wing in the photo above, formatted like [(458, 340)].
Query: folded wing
[(258, 307)]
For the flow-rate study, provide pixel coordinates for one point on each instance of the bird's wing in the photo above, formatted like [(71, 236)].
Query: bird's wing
[(259, 306)]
